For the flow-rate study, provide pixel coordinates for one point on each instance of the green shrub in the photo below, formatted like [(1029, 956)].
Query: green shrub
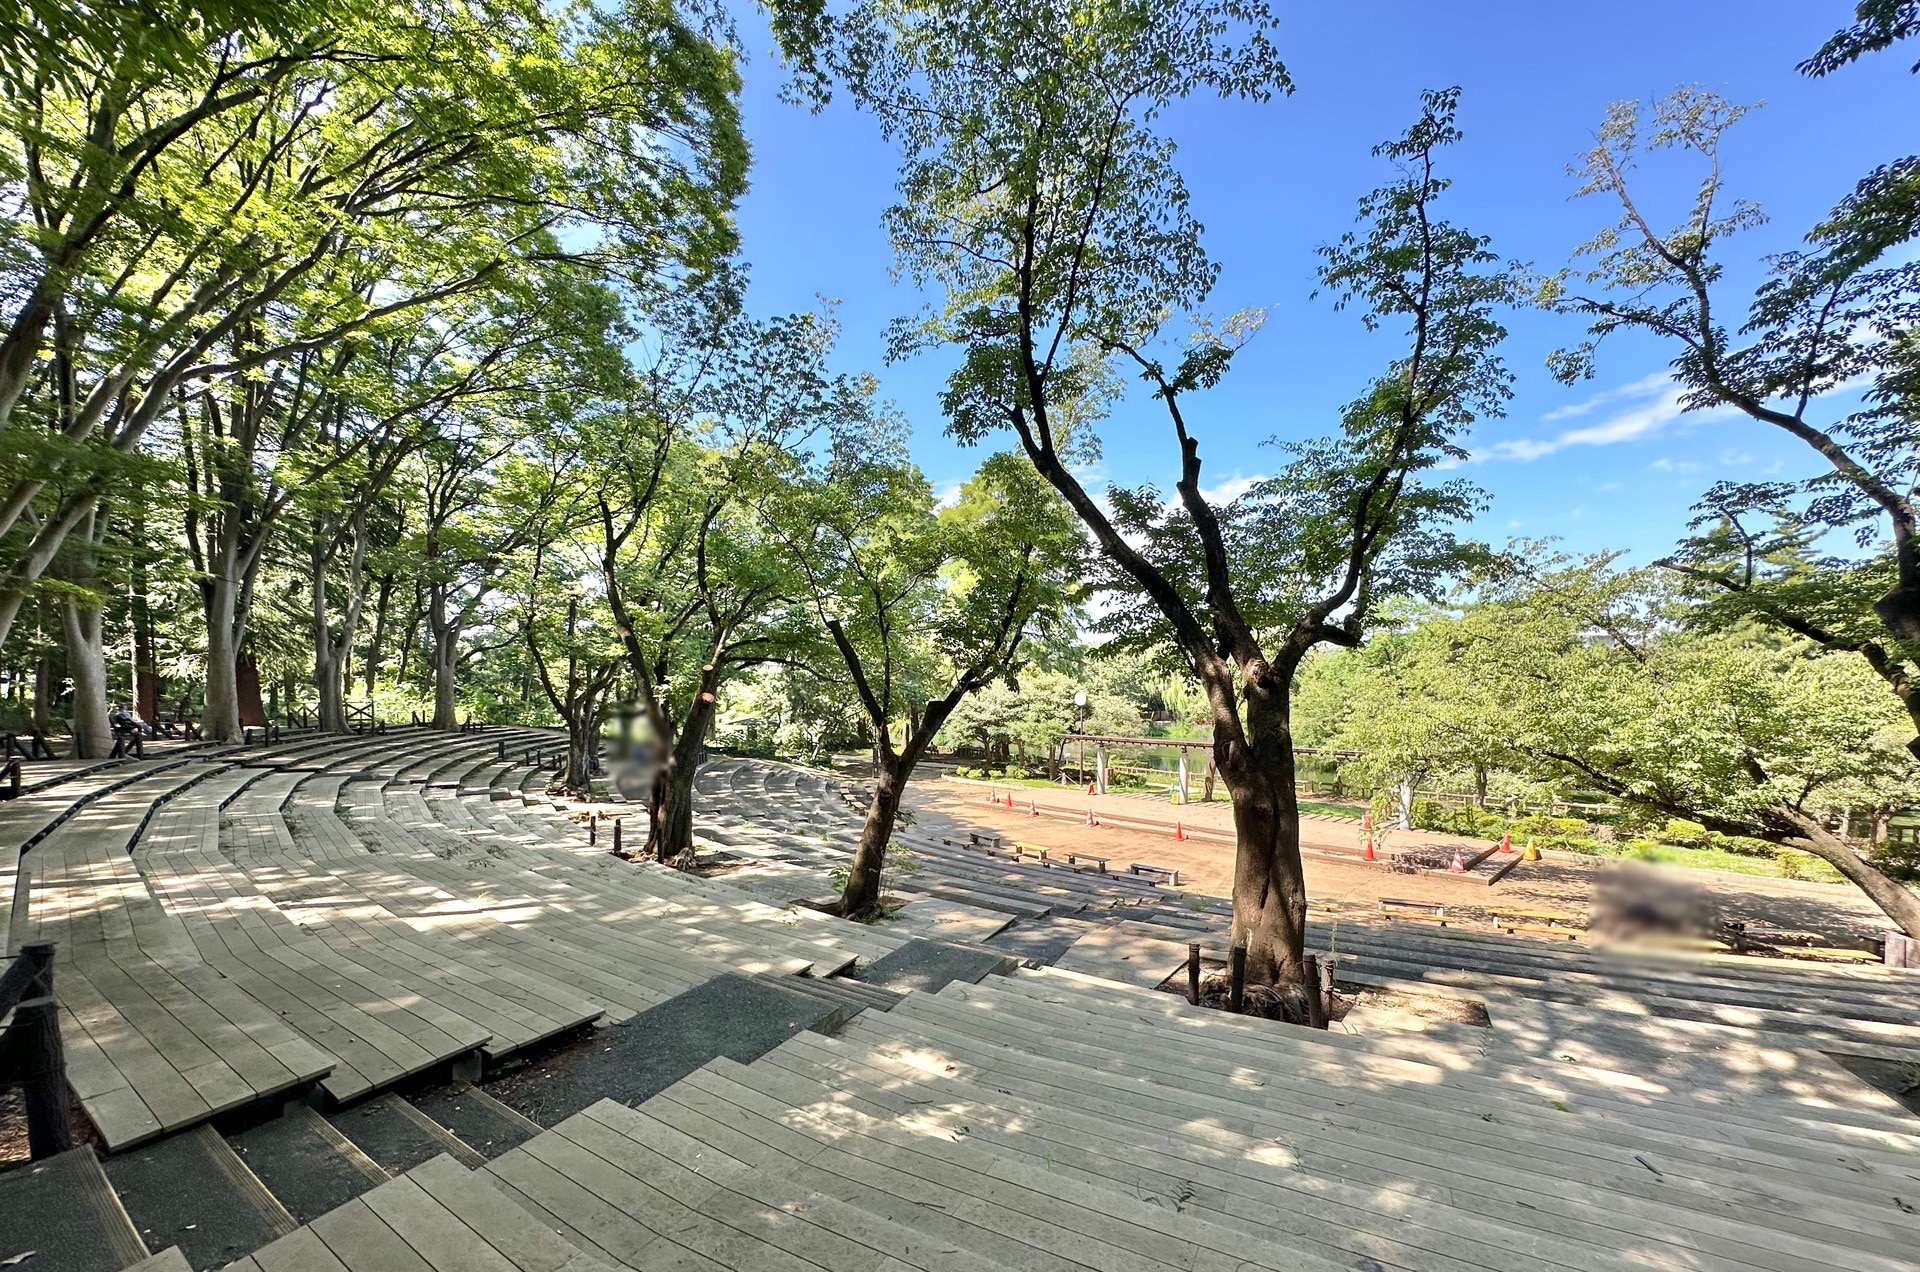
[(1686, 834), (1538, 824), (1016, 774), (1794, 864)]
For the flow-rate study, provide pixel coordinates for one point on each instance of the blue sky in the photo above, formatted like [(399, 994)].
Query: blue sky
[(1610, 464)]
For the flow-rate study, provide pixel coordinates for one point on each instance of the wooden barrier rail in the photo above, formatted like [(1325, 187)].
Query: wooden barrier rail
[(30, 1053)]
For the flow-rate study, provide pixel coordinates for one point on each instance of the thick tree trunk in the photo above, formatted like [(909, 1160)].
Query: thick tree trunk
[(1895, 900), (583, 746), (1269, 882), (329, 683), (860, 898), (446, 682), (670, 812), (246, 680), (220, 713), (87, 664)]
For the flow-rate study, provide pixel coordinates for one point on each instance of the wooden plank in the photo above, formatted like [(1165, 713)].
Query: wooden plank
[(524, 1242), (363, 1242), (432, 1231), (1173, 1073)]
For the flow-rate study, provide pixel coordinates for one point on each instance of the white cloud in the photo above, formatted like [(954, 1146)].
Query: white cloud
[(1665, 465), (1627, 426), (946, 494), (1645, 387), (1225, 491)]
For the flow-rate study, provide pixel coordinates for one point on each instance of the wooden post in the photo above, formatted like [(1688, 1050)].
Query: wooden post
[(1236, 978), (1185, 770), (1316, 1003), (42, 1073), (1193, 972), (1327, 970), (30, 1050), (616, 836), (593, 829), (503, 750)]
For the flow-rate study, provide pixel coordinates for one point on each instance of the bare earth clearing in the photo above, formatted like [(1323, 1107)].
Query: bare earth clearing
[(1564, 881)]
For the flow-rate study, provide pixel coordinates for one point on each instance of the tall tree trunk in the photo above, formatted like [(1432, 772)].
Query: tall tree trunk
[(1269, 882), (583, 747), (81, 619), (220, 712), (444, 660), (376, 643), (329, 684), (861, 897), (246, 680), (331, 652), (446, 682), (146, 669), (87, 664), (670, 809), (670, 812)]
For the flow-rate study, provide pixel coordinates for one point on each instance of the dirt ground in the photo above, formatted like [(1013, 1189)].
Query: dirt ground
[(1834, 912)]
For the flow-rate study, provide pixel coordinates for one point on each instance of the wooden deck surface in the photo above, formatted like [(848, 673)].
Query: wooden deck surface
[(349, 912)]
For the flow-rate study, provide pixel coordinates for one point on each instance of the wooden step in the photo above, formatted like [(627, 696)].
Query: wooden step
[(397, 1136), (61, 1215), (306, 1163), (481, 1122), (1189, 1081), (1536, 1121), (438, 1215), (193, 1191)]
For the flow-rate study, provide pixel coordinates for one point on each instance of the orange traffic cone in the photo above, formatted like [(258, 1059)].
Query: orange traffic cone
[(992, 798), (1032, 809), (1457, 866), (1089, 788), (1506, 842), (1091, 819), (1178, 832), (1366, 826)]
